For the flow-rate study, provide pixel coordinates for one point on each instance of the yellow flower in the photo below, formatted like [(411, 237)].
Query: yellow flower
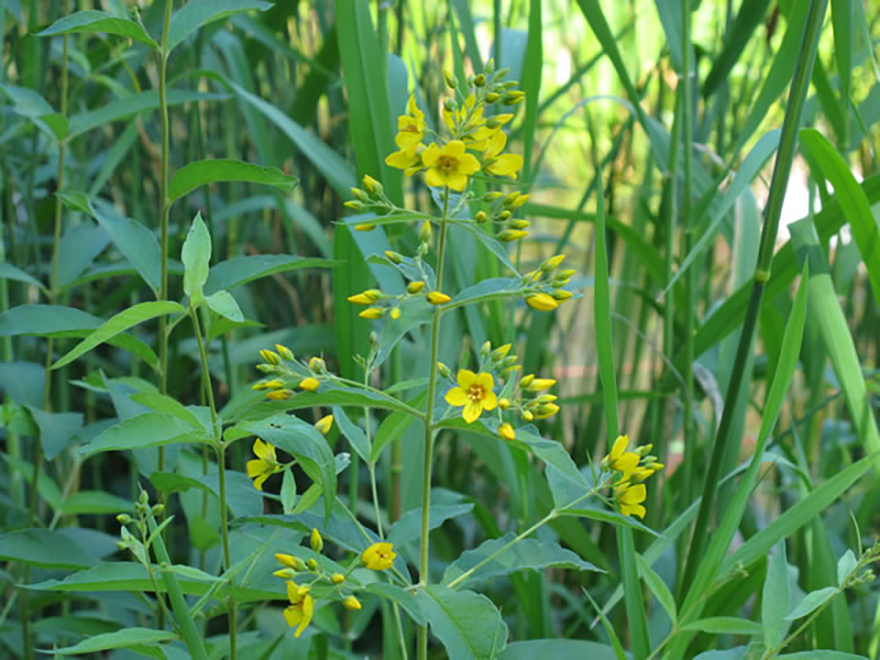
[(302, 607), (403, 159), (379, 556), (506, 431), (264, 466), (629, 499), (474, 392), (494, 163), (620, 459), (352, 603), (411, 126), (324, 424), (450, 166), (542, 302), (309, 384)]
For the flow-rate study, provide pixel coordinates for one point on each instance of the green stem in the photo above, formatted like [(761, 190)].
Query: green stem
[(164, 209), (779, 181), (221, 471), (429, 427)]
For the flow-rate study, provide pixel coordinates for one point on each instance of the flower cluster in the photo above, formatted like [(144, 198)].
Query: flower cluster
[(629, 470), (304, 576), (543, 287), (288, 373), (474, 392)]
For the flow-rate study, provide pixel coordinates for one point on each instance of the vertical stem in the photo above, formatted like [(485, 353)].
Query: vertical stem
[(221, 471), (773, 210), (429, 427), (163, 212)]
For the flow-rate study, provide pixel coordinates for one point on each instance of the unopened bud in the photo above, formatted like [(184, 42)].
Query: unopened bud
[(123, 519), (316, 541), (312, 564), (479, 80), (351, 603), (317, 365), (425, 232), (486, 348), (365, 226), (284, 352), (492, 97), (337, 578), (393, 257), (444, 370), (360, 194), (480, 217), (450, 79), (372, 185), (415, 287)]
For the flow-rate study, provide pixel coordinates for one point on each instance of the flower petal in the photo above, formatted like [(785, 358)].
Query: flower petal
[(457, 181), (490, 401), (260, 480), (466, 378), (619, 447), (506, 165), (454, 148), (264, 450), (468, 164), (456, 397), (431, 154), (471, 412), (626, 463), (256, 467), (434, 178), (486, 381)]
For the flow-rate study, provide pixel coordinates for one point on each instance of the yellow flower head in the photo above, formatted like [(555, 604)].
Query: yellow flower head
[(379, 556), (302, 607), (629, 498), (474, 392), (450, 166), (620, 459), (495, 163), (264, 466)]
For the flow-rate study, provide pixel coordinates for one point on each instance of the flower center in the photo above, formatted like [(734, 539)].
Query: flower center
[(476, 393), (448, 164)]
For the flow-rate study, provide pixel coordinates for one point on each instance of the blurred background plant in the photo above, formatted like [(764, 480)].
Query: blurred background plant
[(92, 169)]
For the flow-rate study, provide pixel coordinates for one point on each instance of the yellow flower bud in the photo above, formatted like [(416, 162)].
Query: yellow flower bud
[(520, 224), (526, 381), (415, 287), (360, 194), (480, 216), (501, 352), (506, 431), (337, 578), (480, 80), (450, 79), (372, 313), (566, 274), (542, 302), (510, 235), (520, 202), (547, 410), (547, 398), (367, 297), (364, 226), (324, 424), (552, 263), (538, 384), (284, 352), (492, 196), (372, 185), (425, 232), (279, 395), (270, 357), (317, 365), (393, 257), (316, 541), (562, 295), (492, 97), (395, 313), (285, 573), (259, 386), (504, 215), (444, 370), (312, 564), (352, 603), (510, 198), (290, 561), (504, 403), (309, 384), (355, 205), (438, 298), (528, 416), (644, 450)]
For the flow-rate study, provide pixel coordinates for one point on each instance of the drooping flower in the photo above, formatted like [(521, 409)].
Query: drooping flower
[(450, 166), (302, 607), (264, 466), (379, 556), (474, 392), (629, 498), (497, 164)]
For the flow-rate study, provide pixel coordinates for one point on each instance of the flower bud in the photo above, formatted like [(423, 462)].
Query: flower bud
[(279, 395), (541, 302), (266, 368), (355, 205), (144, 498), (552, 263), (360, 194), (486, 348), (372, 185), (290, 561), (324, 424), (284, 352), (547, 410), (479, 80), (538, 384), (501, 73), (450, 79), (492, 97), (510, 235), (352, 603), (309, 384), (520, 224), (312, 564), (546, 398), (504, 215), (372, 313), (285, 573), (337, 578), (501, 352), (504, 403), (393, 257), (123, 519), (562, 295), (394, 313), (415, 287), (506, 431), (317, 365), (316, 541), (480, 217), (566, 273), (527, 416), (644, 450), (492, 196), (438, 298), (444, 370), (425, 232), (365, 226), (158, 509), (270, 357), (520, 201), (509, 361)]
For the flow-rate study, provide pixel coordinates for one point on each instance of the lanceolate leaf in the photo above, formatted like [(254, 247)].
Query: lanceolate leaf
[(99, 21), (204, 172), (200, 12)]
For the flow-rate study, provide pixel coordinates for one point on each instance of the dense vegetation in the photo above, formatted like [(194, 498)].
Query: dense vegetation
[(503, 329)]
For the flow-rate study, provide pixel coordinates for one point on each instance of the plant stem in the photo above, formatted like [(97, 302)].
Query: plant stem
[(164, 209), (429, 427), (221, 472), (782, 169)]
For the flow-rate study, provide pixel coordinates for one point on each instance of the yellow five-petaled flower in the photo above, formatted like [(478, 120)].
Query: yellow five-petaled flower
[(629, 499), (474, 392), (302, 607), (265, 465), (449, 166), (379, 556), (620, 459)]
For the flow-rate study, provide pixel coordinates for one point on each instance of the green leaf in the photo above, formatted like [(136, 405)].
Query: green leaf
[(356, 437), (197, 13), (166, 405), (822, 655), (99, 21), (146, 430), (845, 565), (408, 527), (750, 15), (393, 427), (196, 257), (121, 639), (526, 554), (205, 172), (468, 624), (288, 492), (10, 272), (31, 105), (811, 602), (240, 270), (303, 441), (557, 649), (45, 320), (776, 600), (496, 288), (46, 549), (94, 502), (56, 429), (225, 305), (604, 515), (725, 625), (658, 588), (120, 323)]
